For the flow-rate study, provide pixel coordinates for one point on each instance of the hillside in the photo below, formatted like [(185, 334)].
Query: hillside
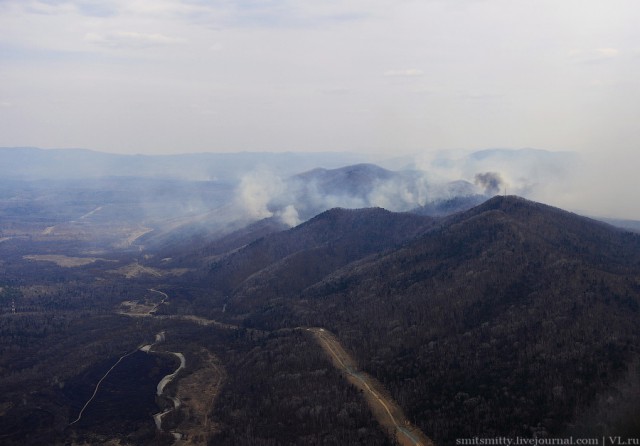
[(509, 319), (284, 263), (513, 318)]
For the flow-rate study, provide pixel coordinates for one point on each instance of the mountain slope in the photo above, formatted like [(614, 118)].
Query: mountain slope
[(511, 319), (443, 207), (284, 263)]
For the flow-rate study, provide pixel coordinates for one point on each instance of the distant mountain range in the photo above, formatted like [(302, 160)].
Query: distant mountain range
[(32, 163), (216, 193)]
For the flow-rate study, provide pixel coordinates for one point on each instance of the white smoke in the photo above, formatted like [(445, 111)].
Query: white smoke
[(256, 191), (289, 216), (535, 174), (490, 181), (262, 194), (403, 193)]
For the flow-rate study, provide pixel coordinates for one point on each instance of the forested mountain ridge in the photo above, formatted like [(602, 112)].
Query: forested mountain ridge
[(509, 319), (513, 318), (284, 263)]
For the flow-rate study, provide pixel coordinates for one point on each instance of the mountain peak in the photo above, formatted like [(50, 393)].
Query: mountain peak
[(514, 205), (502, 201)]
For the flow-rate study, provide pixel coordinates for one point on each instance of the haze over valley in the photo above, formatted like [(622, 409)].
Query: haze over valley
[(265, 223), (265, 300)]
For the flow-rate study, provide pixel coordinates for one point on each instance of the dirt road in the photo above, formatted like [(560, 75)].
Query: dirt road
[(386, 411)]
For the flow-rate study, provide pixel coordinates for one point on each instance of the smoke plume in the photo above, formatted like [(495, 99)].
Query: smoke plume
[(491, 182)]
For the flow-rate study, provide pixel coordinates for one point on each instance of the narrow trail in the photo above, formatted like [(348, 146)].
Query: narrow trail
[(164, 299), (90, 213), (95, 391), (390, 416)]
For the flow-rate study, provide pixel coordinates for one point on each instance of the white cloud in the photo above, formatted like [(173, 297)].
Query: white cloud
[(594, 55), (412, 72), (49, 8), (365, 75), (131, 39), (607, 52), (338, 91)]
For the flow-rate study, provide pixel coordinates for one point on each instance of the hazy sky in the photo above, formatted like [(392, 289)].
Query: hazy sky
[(170, 76)]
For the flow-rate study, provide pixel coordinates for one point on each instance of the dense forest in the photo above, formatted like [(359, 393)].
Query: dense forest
[(509, 319), (513, 319)]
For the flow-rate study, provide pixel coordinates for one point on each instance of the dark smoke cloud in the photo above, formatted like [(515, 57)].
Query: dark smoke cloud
[(490, 181)]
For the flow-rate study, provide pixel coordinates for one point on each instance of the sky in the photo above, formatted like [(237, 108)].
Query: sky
[(384, 76)]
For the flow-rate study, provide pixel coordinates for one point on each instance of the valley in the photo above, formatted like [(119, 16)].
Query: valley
[(319, 223), (471, 317), (380, 402)]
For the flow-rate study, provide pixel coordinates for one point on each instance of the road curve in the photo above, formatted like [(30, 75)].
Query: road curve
[(157, 418), (152, 311)]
